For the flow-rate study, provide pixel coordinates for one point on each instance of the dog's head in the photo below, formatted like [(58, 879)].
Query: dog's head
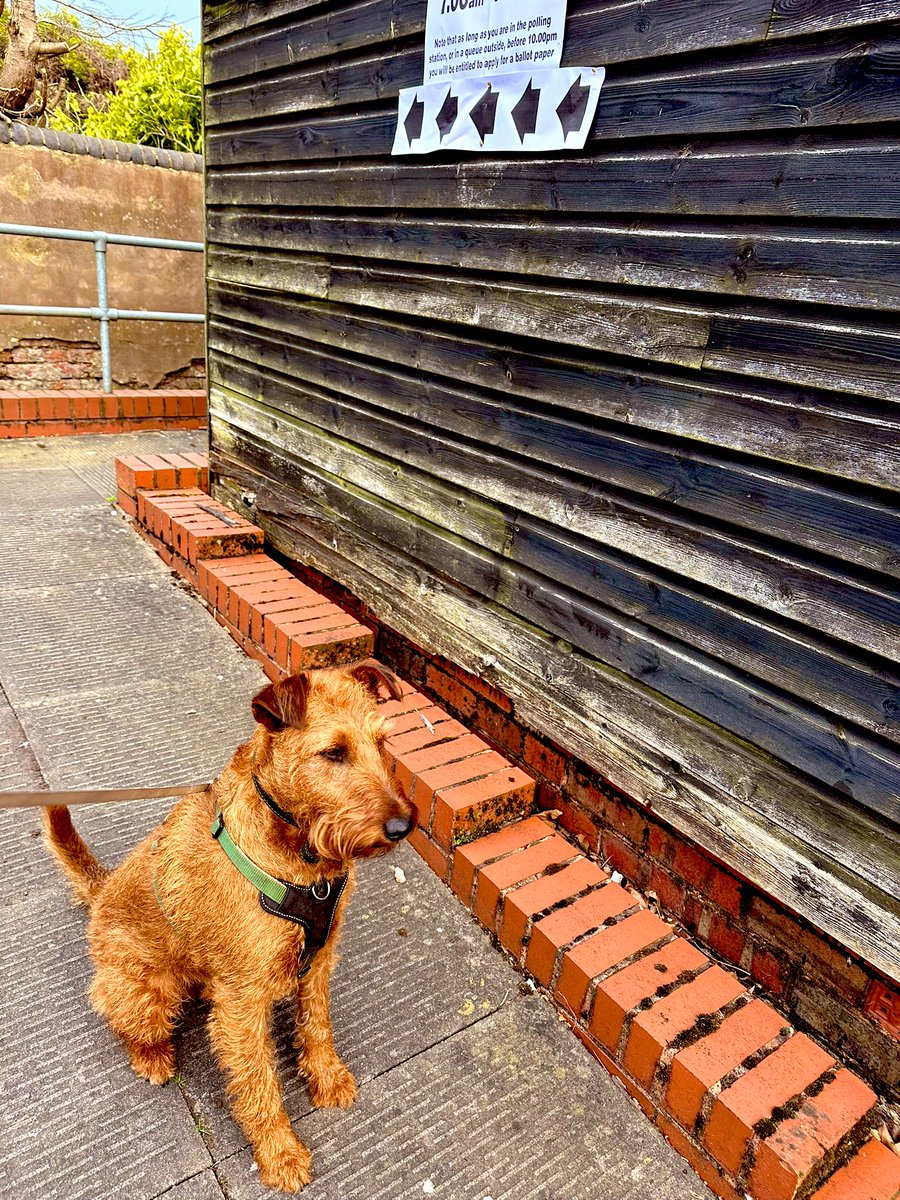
[(320, 754)]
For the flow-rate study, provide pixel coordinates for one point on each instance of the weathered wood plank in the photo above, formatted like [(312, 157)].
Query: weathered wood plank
[(833, 265), (366, 134), (838, 755), (794, 176), (320, 86), (838, 435), (634, 728), (752, 497), (848, 79), (224, 17), (279, 34), (790, 17), (810, 669), (818, 349), (655, 329), (818, 596)]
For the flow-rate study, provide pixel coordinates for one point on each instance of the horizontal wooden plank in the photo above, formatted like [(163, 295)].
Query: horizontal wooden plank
[(808, 668), (368, 133), (224, 18), (843, 80), (639, 29), (817, 348), (321, 85), (811, 594), (621, 730), (791, 17), (753, 497), (671, 332), (832, 265), (837, 435), (809, 739), (794, 176), (258, 39)]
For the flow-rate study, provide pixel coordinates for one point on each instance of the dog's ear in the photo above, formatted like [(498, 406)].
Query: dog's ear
[(282, 704), (371, 673)]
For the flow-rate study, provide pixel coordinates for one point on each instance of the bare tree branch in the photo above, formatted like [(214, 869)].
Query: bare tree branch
[(38, 105), (116, 24), (50, 49)]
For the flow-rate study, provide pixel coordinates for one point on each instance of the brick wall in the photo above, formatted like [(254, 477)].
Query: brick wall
[(819, 984), (54, 364)]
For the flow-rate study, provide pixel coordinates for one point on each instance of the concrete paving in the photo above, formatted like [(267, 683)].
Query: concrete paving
[(113, 676)]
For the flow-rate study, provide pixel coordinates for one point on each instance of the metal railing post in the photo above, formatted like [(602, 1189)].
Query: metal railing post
[(100, 240), (102, 313)]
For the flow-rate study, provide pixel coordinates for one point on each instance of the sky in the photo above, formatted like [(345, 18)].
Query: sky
[(173, 12)]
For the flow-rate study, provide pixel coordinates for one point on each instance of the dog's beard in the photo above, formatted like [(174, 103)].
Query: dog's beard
[(345, 842)]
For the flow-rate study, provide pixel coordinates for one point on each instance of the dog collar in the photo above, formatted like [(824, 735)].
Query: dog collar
[(305, 852), (313, 907)]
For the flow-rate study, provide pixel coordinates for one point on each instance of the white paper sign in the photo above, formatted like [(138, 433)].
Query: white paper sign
[(532, 111), (481, 37)]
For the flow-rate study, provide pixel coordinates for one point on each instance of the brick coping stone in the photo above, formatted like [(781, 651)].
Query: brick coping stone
[(62, 412), (757, 1107)]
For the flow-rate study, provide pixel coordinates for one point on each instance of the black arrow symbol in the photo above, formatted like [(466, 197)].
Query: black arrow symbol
[(572, 107), (483, 112), (413, 122), (526, 111), (446, 118)]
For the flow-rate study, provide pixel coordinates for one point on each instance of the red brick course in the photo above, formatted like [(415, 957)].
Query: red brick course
[(873, 1174), (621, 992), (785, 1073), (521, 905), (288, 626), (552, 933), (699, 1067), (602, 951), (56, 413), (787, 1158)]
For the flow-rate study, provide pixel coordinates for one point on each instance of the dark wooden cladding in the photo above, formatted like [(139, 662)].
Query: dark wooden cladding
[(825, 266), (618, 430), (844, 80), (788, 176)]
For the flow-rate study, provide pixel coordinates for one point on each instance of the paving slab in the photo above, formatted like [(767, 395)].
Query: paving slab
[(112, 676), (510, 1108)]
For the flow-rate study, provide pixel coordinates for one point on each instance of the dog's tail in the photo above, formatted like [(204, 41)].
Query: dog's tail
[(83, 870)]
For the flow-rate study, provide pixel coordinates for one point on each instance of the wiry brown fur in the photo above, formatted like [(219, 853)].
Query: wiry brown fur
[(213, 935)]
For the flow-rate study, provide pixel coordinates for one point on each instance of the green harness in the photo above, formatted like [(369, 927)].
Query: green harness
[(312, 908)]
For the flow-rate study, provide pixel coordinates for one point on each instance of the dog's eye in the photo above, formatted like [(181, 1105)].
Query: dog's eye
[(334, 753)]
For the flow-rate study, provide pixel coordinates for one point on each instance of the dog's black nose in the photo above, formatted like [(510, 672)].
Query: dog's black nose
[(397, 828)]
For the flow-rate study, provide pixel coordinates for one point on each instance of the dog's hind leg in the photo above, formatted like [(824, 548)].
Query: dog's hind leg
[(331, 1085), (239, 1030), (143, 1012)]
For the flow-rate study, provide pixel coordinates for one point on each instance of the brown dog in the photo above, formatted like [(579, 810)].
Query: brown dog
[(306, 796)]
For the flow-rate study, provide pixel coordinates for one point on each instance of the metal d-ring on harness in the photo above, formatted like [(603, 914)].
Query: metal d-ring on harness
[(312, 908)]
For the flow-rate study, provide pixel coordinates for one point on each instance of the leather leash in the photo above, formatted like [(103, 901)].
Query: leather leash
[(105, 796)]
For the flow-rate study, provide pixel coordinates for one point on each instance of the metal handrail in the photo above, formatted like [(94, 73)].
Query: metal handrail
[(102, 312)]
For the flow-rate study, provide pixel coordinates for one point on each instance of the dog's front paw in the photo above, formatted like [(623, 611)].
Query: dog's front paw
[(332, 1087), (154, 1063), (287, 1168)]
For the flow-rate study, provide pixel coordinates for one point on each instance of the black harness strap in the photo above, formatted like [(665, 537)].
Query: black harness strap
[(313, 908), (305, 852)]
